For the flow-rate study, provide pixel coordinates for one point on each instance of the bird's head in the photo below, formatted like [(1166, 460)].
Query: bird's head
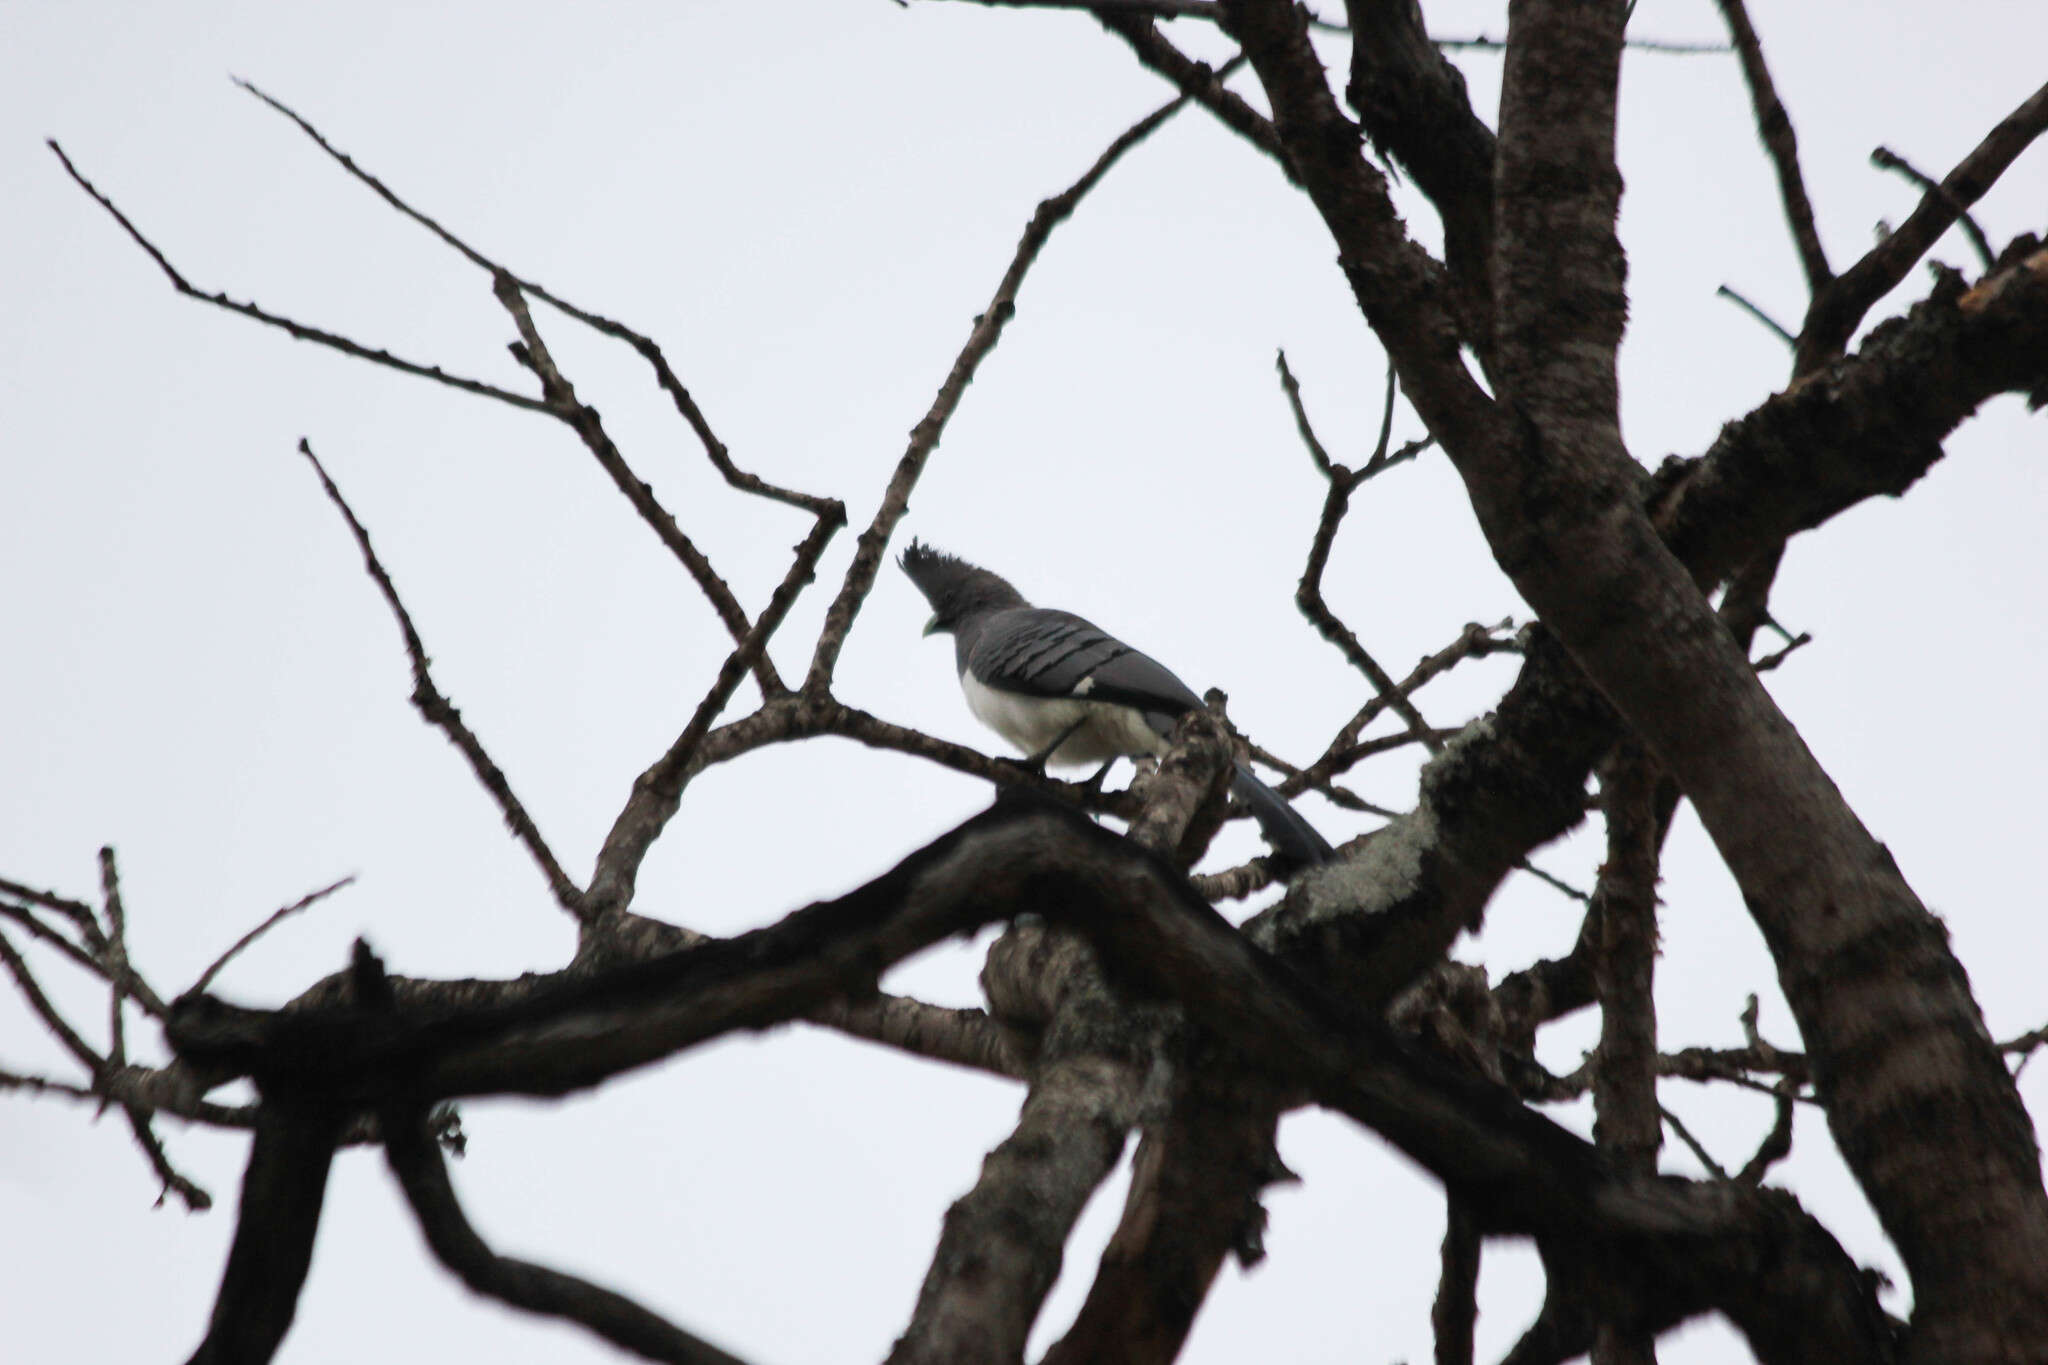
[(955, 588)]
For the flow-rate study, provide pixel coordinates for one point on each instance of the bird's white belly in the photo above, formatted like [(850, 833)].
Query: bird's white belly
[(1106, 731)]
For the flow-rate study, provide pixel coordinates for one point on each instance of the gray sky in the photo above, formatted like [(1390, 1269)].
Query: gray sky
[(807, 204)]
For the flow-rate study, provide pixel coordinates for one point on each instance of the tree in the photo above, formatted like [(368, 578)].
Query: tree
[(1122, 1001)]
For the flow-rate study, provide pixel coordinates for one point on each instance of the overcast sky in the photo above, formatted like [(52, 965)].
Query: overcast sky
[(806, 204)]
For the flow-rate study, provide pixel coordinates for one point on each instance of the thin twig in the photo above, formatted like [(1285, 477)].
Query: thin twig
[(1685, 1136), (924, 437), (441, 714), (584, 420), (1556, 883), (1835, 313), (1778, 656), (1759, 314), (152, 1090), (1777, 1144), (1391, 390), (44, 1085), (32, 992), (117, 959), (196, 1199), (2024, 1046), (282, 913), (42, 932), (1148, 9), (1211, 11), (1367, 748), (1474, 642), (1200, 81), (1291, 386), (715, 449), (1774, 126), (1308, 593), (1340, 796), (657, 794), (298, 330), (1884, 158), (78, 912), (1482, 43), (94, 955)]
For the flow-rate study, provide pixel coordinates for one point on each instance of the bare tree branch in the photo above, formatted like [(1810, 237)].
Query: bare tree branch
[(1693, 1144), (53, 1020), (1308, 594), (1001, 1244), (720, 457), (117, 963), (1456, 1310), (440, 713), (964, 1037), (1195, 79), (924, 437), (1885, 158), (195, 1199), (93, 951), (588, 425), (298, 330), (311, 898), (1154, 936), (1742, 302), (282, 1193), (1411, 101), (1774, 126), (1474, 642), (423, 1175), (657, 793), (1777, 1144), (27, 919), (1835, 312), (1482, 43), (1625, 1115)]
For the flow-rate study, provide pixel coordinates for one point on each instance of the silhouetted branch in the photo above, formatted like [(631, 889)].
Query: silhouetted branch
[(588, 425), (304, 902), (298, 330), (1456, 1310), (1742, 302), (1884, 158), (1774, 126), (440, 713), (721, 458), (423, 1175), (282, 1193), (1777, 1144), (1195, 79), (1308, 594), (1474, 642), (1482, 43), (924, 437), (1836, 311)]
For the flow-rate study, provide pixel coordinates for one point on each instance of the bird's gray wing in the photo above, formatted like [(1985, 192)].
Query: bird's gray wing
[(1046, 653), (1043, 653)]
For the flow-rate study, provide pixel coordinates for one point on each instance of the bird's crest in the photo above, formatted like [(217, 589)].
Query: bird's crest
[(954, 587)]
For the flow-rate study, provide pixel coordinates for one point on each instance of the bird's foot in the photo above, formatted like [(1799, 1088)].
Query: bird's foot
[(1036, 762)]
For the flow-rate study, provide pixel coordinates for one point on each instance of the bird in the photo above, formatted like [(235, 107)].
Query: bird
[(1068, 693)]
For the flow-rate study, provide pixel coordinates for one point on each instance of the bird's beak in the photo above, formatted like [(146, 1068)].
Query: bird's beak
[(931, 627)]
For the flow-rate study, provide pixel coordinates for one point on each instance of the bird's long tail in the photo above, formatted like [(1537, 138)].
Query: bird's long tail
[(1295, 841)]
